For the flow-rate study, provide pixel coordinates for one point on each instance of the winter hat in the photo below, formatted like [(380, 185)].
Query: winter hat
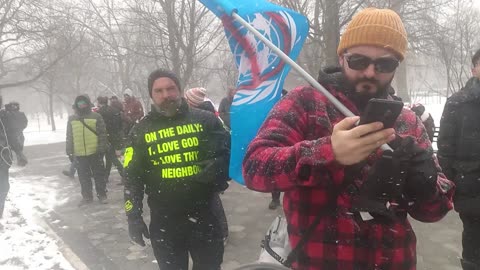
[(379, 27), (82, 102), (160, 73), (14, 105), (102, 100), (128, 92), (420, 111), (207, 106), (195, 96)]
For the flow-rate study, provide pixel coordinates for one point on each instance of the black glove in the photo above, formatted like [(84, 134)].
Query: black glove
[(137, 229), (385, 183), (421, 181)]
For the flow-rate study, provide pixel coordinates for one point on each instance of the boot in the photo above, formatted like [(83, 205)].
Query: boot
[(84, 202), (103, 199), (67, 173), (274, 204)]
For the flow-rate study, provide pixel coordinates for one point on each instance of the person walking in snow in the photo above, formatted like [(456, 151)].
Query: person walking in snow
[(19, 122), (333, 172), (86, 144), (459, 155), (132, 110), (225, 104), (6, 136), (113, 123), (177, 155)]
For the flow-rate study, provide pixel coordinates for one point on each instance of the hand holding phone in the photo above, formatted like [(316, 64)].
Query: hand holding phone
[(351, 144)]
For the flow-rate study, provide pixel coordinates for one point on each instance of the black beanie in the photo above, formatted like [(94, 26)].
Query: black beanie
[(161, 73), (419, 109)]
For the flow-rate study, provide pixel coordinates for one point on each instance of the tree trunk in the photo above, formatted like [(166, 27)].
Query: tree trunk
[(331, 26), (402, 83), (313, 47), (50, 111), (401, 74)]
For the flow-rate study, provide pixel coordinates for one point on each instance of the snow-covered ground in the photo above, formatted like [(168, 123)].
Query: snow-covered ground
[(27, 245), (26, 241), (39, 131)]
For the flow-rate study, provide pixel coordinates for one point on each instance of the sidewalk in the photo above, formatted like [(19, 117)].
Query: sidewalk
[(98, 237)]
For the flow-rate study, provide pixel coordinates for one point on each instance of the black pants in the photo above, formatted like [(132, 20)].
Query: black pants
[(219, 213), (73, 167), (471, 238), (86, 168), (276, 195), (4, 187), (111, 158), (175, 236)]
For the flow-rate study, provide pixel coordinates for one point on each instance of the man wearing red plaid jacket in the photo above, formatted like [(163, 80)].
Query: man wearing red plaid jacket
[(331, 169)]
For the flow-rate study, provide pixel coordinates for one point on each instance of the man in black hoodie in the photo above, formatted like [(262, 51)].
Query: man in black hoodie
[(19, 122), (113, 123), (459, 156), (178, 156)]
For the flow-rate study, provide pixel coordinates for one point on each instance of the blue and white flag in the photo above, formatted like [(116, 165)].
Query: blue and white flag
[(261, 71)]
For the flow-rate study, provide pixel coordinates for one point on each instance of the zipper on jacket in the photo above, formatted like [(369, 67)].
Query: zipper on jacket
[(84, 143)]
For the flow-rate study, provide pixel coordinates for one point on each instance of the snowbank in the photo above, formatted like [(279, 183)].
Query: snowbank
[(26, 245)]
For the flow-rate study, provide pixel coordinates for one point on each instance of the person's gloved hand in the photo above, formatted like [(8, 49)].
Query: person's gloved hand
[(137, 229), (421, 180), (384, 183)]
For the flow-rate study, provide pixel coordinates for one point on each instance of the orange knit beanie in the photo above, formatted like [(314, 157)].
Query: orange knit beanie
[(378, 27)]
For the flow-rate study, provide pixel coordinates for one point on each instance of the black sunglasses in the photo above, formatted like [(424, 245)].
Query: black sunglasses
[(382, 64)]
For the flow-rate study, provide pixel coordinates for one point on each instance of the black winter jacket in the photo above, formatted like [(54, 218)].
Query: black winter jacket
[(179, 162), (113, 123), (7, 137), (224, 110), (459, 145)]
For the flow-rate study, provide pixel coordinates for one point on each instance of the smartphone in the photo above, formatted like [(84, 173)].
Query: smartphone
[(381, 110)]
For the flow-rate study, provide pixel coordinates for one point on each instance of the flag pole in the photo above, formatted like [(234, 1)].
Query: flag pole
[(344, 110)]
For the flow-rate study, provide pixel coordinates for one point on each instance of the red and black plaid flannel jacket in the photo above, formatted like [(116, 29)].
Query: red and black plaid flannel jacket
[(292, 153)]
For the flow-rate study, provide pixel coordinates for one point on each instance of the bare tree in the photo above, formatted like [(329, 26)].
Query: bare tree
[(326, 19), (456, 37), (179, 35), (22, 25), (62, 39)]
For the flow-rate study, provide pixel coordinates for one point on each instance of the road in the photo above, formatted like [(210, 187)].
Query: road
[(96, 237)]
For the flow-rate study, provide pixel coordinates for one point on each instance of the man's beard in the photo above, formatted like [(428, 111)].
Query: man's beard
[(361, 98), (169, 107)]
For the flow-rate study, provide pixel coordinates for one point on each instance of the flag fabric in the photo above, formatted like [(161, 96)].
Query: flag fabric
[(262, 72)]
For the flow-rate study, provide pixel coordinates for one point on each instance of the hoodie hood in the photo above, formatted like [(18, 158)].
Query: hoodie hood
[(332, 76), (82, 105)]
